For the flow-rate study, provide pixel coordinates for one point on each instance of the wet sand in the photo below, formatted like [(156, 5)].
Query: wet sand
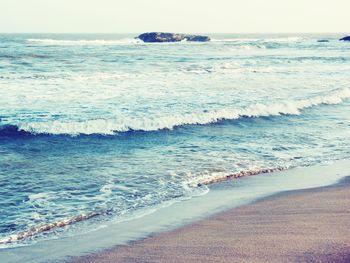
[(297, 226)]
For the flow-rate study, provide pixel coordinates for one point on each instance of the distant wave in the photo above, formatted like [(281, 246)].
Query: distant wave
[(113, 126), (277, 39), (95, 42), (130, 41), (250, 46)]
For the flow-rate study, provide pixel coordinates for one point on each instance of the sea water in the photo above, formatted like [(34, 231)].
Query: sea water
[(96, 128)]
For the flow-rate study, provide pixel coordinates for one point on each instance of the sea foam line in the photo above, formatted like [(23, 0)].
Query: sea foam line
[(222, 178), (35, 231), (83, 42), (276, 39), (125, 124)]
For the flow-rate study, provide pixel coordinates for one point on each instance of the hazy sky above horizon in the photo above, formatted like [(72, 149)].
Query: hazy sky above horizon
[(132, 16)]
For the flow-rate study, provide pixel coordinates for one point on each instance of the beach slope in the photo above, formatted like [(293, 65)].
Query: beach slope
[(298, 226)]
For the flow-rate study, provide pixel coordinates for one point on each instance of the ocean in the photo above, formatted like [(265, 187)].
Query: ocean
[(100, 128)]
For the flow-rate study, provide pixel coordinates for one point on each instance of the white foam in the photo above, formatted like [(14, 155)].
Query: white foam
[(34, 197), (124, 124), (276, 39), (82, 42)]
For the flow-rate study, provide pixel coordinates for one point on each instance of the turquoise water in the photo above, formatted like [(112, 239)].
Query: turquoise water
[(94, 128)]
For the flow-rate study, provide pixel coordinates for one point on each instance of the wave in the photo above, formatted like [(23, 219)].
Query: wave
[(133, 41), (119, 125), (82, 42), (9, 130), (34, 231), (249, 46), (45, 228), (222, 177), (277, 39)]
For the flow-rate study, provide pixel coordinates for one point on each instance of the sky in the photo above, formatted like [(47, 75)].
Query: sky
[(187, 16)]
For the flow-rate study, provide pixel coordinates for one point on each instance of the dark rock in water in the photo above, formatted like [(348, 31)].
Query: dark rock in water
[(345, 38), (197, 38), (171, 37), (322, 40)]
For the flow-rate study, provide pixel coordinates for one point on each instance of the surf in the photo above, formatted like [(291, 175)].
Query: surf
[(124, 124)]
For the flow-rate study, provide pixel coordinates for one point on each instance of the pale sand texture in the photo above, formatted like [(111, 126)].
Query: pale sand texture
[(299, 226)]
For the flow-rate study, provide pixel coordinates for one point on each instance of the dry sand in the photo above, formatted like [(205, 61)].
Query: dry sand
[(298, 226)]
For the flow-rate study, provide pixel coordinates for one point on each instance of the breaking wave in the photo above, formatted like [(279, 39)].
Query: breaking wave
[(119, 125), (277, 39), (82, 42)]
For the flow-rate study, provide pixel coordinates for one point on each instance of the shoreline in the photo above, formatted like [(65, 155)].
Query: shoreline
[(297, 225), (34, 231), (222, 197)]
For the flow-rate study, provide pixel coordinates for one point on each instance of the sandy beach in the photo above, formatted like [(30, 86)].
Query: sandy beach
[(297, 226)]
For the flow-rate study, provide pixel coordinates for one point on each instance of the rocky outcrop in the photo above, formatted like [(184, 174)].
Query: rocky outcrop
[(159, 37), (347, 38)]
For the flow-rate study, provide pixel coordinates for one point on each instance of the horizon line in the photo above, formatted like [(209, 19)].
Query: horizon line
[(294, 32)]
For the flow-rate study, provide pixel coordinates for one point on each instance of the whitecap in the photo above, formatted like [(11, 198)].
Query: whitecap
[(84, 42), (124, 124)]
